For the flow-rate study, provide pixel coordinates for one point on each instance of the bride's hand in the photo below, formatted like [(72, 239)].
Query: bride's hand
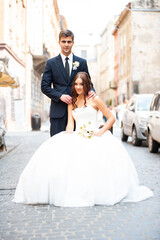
[(69, 131)]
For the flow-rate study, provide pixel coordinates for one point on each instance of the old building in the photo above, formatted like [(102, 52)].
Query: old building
[(116, 64), (123, 28), (145, 38), (138, 49), (12, 55), (107, 82), (90, 50), (28, 37)]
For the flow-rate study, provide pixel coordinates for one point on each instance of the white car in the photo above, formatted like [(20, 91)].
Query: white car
[(153, 124), (134, 118)]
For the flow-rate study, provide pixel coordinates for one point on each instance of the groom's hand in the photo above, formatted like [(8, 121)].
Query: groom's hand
[(91, 94), (66, 98)]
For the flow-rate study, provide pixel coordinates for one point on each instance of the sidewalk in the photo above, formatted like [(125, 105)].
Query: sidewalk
[(124, 221), (13, 138)]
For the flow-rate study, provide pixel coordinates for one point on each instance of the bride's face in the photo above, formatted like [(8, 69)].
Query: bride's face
[(79, 86)]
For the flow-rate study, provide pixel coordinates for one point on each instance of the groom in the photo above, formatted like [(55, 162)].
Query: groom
[(59, 73)]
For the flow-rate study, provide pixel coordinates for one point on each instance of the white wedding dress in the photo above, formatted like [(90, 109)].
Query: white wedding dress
[(69, 170)]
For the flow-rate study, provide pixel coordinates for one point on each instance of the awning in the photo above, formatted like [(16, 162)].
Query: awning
[(6, 79)]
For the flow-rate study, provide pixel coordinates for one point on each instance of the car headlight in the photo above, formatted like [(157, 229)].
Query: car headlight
[(142, 122)]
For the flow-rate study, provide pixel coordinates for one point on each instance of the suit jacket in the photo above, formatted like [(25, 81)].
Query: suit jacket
[(54, 83)]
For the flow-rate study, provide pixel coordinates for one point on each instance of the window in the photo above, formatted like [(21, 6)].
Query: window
[(136, 87), (83, 53), (144, 103), (131, 103), (157, 108), (154, 102)]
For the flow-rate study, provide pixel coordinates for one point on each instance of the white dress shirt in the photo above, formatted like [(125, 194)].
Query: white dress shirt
[(70, 61)]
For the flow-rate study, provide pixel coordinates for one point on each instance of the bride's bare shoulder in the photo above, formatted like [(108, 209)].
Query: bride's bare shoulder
[(98, 102), (96, 99)]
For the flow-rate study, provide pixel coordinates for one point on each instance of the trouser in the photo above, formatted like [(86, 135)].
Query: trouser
[(58, 125)]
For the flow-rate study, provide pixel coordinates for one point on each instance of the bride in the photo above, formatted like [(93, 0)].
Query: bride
[(84, 167)]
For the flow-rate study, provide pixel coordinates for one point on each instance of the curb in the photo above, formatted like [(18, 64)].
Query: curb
[(9, 149)]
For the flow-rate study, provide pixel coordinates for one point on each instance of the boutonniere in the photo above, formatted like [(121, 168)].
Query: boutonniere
[(75, 65)]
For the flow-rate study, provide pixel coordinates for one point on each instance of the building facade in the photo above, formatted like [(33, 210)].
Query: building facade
[(145, 51), (90, 50), (116, 64), (12, 54), (138, 49), (28, 37), (108, 85), (123, 28)]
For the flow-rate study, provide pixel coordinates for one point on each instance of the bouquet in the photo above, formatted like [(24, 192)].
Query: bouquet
[(86, 131)]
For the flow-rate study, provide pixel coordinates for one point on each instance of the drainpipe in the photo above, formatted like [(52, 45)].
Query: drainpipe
[(25, 100)]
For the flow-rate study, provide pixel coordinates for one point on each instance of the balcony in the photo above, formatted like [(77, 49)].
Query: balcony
[(39, 63), (112, 85)]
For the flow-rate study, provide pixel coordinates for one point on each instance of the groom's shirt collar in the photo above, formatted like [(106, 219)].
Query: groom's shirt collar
[(70, 60), (64, 57)]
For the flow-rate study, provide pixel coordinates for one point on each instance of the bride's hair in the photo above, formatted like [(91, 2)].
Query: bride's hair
[(86, 81)]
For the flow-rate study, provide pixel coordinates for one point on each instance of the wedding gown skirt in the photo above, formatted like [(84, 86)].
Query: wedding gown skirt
[(72, 171)]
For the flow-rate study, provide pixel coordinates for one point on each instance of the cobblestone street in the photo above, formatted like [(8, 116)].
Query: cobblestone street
[(124, 221)]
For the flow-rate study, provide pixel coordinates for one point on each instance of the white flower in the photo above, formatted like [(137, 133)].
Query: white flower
[(86, 131), (75, 65)]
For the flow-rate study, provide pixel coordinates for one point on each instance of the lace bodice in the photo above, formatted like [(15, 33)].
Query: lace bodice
[(84, 115)]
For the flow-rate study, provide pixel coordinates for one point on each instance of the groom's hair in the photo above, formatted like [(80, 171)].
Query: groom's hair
[(66, 33)]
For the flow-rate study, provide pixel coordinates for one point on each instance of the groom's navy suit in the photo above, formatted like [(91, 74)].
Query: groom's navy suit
[(55, 76)]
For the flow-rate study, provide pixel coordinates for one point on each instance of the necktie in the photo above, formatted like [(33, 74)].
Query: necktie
[(67, 68)]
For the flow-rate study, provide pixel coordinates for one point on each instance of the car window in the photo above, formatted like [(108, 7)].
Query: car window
[(154, 103), (131, 103), (157, 108), (144, 103)]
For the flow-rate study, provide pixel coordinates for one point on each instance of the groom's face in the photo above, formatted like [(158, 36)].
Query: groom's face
[(66, 44)]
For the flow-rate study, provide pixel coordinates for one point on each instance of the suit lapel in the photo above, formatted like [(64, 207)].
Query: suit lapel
[(61, 66), (62, 69), (73, 72)]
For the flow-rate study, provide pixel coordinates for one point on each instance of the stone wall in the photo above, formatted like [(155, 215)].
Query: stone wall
[(146, 47)]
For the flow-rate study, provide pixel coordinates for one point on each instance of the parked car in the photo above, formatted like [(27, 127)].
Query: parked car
[(2, 133), (134, 118), (153, 124)]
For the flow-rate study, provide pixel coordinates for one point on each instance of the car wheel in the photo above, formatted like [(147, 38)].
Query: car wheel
[(2, 147), (153, 145), (124, 137), (135, 140)]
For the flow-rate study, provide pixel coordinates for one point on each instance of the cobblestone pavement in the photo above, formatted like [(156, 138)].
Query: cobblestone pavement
[(124, 221)]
